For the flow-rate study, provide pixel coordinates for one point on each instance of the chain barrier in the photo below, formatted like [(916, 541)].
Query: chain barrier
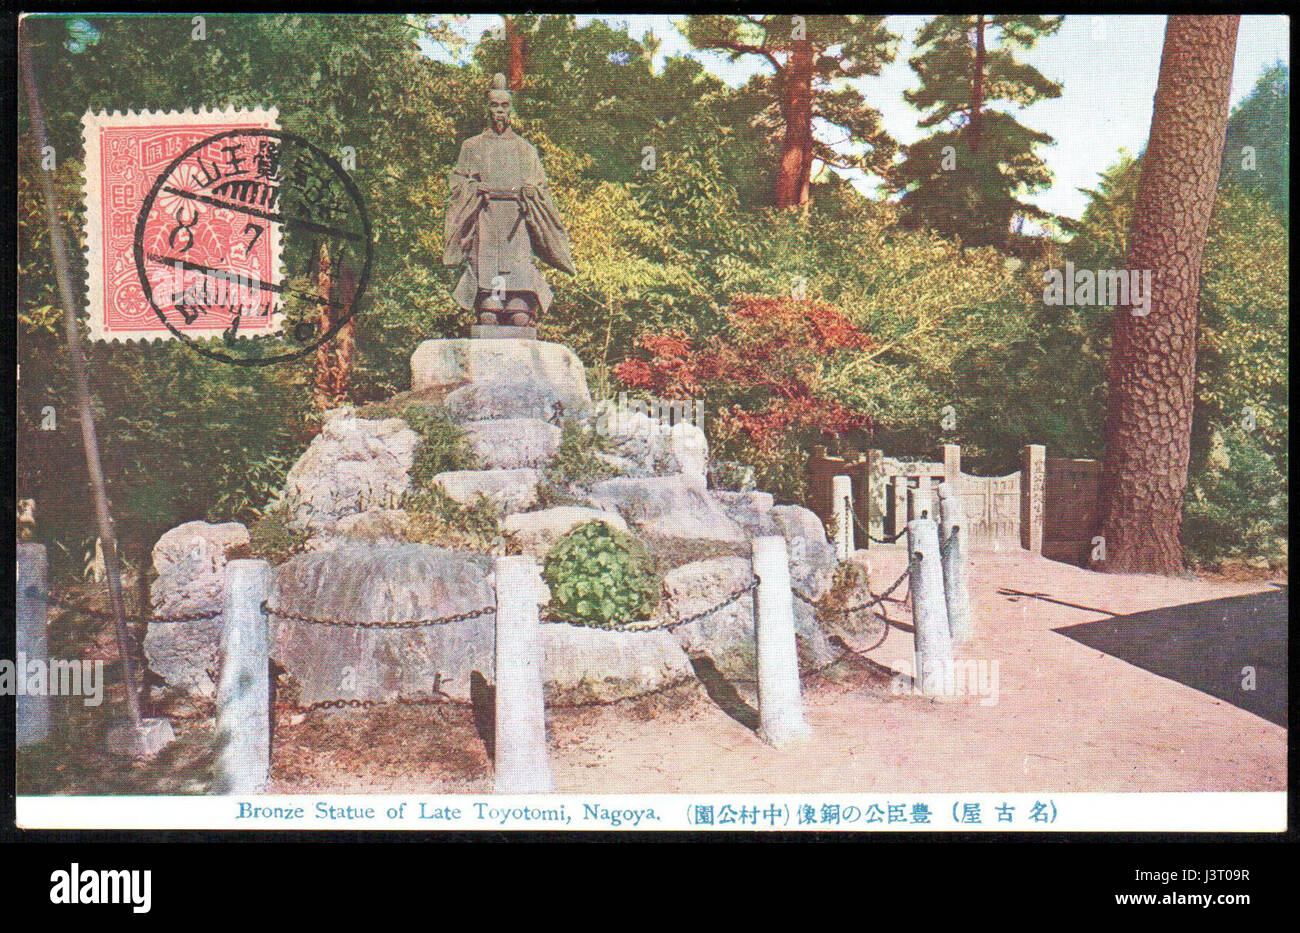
[(439, 699), (669, 625), (874, 601), (343, 623), (872, 538), (882, 615), (93, 613), (442, 698)]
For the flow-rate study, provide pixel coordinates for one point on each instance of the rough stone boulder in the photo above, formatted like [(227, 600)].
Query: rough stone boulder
[(389, 584), (535, 532), (812, 556), (508, 490), (496, 379), (584, 664), (513, 442), (190, 561), (674, 506), (726, 637), (689, 450), (354, 464), (373, 526), (648, 446), (751, 510), (512, 398)]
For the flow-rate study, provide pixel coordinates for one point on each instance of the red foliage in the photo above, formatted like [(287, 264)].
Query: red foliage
[(767, 371)]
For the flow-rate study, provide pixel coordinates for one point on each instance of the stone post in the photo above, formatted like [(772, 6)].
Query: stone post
[(901, 501), (33, 710), (877, 491), (522, 762), (934, 673), (1033, 483), (952, 463), (842, 512), (952, 538), (780, 697), (244, 687), (919, 502)]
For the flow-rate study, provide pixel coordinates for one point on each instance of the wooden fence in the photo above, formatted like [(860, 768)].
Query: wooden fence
[(1049, 506)]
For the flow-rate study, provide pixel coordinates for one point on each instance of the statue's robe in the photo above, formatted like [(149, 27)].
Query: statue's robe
[(499, 216)]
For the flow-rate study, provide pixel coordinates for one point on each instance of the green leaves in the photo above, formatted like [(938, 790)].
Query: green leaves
[(443, 446), (600, 575), (968, 177)]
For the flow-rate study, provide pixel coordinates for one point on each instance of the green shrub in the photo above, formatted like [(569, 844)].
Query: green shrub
[(601, 575), (1236, 505), (575, 464), (272, 538), (443, 446), (436, 518)]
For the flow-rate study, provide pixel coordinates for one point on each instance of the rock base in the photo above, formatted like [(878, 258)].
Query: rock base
[(125, 740)]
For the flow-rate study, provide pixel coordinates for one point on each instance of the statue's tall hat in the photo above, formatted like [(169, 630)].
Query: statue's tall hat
[(499, 84)]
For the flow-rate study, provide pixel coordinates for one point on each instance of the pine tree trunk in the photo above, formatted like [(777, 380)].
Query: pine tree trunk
[(795, 167), (325, 380), (516, 54), (1153, 360), (977, 87)]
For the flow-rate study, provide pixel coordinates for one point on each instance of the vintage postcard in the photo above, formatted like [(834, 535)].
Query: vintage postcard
[(556, 422)]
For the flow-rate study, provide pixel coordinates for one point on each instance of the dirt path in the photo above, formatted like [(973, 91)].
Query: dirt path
[(1066, 718)]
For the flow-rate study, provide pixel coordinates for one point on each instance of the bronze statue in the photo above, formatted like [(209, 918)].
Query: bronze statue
[(499, 217)]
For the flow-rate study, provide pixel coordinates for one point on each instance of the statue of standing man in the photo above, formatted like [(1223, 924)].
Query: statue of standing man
[(499, 217)]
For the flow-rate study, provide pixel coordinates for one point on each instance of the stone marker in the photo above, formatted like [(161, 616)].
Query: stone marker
[(244, 685), (780, 699), (522, 764), (842, 510), (1033, 483)]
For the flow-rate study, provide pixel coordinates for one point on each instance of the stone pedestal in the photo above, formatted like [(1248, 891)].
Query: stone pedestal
[(501, 332)]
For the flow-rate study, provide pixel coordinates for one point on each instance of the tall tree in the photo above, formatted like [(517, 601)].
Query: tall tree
[(967, 178), (1152, 372), (517, 49), (1257, 150), (810, 59)]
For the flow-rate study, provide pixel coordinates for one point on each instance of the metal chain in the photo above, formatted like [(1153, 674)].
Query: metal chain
[(414, 623), (874, 601), (676, 622), (870, 537), (441, 699), (585, 704), (100, 614)]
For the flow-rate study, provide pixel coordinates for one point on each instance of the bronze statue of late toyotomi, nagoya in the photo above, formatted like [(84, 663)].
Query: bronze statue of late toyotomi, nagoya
[(499, 217)]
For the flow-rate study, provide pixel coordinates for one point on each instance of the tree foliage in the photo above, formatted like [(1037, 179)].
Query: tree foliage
[(969, 177)]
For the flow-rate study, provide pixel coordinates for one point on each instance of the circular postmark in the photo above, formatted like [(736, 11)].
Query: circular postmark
[(222, 221)]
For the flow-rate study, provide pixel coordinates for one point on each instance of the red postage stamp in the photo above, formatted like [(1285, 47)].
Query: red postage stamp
[(171, 248)]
